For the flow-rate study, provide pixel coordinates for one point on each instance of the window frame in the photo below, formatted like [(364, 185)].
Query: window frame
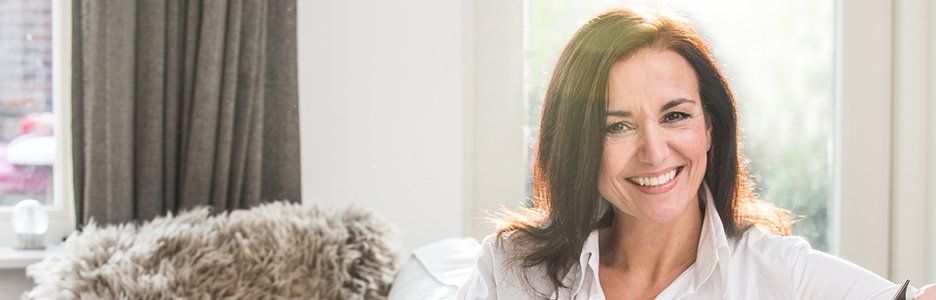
[(494, 157), (860, 221), (61, 212), (914, 186)]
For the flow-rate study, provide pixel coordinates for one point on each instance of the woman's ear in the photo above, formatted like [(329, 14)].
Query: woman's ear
[(708, 134)]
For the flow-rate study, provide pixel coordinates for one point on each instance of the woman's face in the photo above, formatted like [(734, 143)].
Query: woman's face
[(656, 137)]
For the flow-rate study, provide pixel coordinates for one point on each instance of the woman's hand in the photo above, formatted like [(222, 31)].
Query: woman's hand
[(928, 292)]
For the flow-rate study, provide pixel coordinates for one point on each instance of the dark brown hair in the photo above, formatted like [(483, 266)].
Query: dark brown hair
[(571, 137)]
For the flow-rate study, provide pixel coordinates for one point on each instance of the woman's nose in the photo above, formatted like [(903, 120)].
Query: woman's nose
[(653, 147)]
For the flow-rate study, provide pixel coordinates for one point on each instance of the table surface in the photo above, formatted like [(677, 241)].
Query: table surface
[(12, 258)]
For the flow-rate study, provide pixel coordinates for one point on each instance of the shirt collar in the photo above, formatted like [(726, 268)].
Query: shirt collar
[(713, 243), (713, 250)]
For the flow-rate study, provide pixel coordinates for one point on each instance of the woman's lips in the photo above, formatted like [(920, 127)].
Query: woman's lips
[(650, 189)]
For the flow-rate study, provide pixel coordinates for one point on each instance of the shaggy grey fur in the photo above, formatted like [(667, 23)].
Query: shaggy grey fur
[(273, 251)]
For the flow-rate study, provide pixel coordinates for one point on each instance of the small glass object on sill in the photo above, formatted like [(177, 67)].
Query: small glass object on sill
[(30, 223)]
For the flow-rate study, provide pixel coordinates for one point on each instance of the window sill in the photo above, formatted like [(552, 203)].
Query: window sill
[(12, 258)]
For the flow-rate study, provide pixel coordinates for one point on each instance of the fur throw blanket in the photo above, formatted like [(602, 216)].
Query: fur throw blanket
[(273, 251)]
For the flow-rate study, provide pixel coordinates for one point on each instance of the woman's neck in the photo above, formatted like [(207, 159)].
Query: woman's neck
[(651, 250)]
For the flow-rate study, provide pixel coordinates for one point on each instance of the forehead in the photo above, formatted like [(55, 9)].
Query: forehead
[(651, 75)]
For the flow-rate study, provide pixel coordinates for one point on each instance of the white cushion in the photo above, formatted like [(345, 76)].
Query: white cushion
[(436, 271)]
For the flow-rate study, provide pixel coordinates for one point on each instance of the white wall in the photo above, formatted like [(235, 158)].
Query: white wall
[(382, 96)]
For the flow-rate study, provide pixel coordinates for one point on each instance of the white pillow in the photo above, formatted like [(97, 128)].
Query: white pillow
[(437, 270)]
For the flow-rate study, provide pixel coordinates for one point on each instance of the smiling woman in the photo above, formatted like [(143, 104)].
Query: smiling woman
[(638, 188), (657, 138)]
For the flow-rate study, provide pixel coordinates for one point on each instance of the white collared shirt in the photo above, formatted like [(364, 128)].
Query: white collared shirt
[(756, 265)]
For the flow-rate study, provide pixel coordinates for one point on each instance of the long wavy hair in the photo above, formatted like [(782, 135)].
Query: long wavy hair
[(566, 202)]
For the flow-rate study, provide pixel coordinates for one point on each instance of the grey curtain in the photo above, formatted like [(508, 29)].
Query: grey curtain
[(179, 104)]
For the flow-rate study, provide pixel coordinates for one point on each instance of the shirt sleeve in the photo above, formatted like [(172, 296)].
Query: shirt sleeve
[(818, 275), (481, 283)]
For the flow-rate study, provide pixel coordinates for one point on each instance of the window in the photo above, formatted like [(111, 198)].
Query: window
[(779, 60), (34, 90), (27, 146)]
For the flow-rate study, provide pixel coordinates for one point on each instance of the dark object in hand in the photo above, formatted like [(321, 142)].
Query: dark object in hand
[(902, 292)]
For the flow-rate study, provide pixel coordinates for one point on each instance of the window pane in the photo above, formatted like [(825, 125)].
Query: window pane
[(778, 56), (27, 146)]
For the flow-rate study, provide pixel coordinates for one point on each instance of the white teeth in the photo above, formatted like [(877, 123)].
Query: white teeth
[(655, 181)]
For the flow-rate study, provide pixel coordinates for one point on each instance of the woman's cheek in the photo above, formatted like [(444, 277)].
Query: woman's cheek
[(693, 138)]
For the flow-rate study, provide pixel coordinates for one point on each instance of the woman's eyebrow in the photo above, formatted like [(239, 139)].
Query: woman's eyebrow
[(675, 103), (619, 113), (668, 105)]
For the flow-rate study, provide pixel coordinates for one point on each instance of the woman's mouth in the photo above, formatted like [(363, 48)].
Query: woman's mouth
[(658, 184)]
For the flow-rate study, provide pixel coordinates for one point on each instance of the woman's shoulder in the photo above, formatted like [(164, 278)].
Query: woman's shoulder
[(765, 259), (761, 246), (503, 255), (504, 245), (759, 239), (807, 273)]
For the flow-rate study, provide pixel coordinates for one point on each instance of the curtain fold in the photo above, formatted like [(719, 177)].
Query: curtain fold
[(179, 104)]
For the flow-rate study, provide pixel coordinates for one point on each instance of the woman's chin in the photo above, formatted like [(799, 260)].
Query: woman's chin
[(663, 212)]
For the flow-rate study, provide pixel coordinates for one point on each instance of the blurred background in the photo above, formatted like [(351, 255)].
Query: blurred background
[(425, 111)]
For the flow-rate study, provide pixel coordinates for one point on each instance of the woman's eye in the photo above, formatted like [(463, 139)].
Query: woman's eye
[(618, 127), (675, 117)]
